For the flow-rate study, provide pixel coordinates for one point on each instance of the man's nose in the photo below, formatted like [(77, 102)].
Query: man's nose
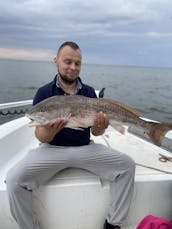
[(73, 66)]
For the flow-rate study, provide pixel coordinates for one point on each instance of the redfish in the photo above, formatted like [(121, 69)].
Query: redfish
[(80, 111)]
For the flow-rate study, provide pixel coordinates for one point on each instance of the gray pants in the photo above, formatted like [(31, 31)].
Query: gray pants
[(45, 161)]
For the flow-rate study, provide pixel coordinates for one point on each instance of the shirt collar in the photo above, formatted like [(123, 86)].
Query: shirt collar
[(78, 87)]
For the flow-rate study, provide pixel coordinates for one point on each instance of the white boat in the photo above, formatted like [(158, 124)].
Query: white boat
[(79, 196)]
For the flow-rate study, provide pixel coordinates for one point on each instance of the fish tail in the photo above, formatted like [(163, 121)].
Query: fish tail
[(158, 131)]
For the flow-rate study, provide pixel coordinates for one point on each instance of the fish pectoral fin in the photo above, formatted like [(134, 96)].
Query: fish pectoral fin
[(33, 124), (118, 127), (77, 123), (67, 117)]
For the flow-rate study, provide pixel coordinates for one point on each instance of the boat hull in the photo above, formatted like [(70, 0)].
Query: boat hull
[(78, 199)]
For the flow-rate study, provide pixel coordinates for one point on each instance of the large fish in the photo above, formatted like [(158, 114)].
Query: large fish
[(80, 112)]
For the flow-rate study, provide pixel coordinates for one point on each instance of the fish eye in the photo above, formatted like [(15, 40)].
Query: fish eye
[(41, 110)]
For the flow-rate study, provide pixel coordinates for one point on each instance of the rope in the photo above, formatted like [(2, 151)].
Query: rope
[(149, 167), (145, 166)]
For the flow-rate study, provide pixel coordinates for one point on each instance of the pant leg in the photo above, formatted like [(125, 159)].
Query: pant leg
[(42, 163), (116, 167), (35, 169)]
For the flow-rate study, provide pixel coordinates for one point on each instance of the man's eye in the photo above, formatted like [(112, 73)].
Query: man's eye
[(78, 64), (67, 62)]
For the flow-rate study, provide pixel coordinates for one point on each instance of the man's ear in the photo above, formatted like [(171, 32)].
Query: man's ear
[(55, 60)]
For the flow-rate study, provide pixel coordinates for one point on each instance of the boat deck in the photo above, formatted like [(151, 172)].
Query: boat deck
[(83, 189)]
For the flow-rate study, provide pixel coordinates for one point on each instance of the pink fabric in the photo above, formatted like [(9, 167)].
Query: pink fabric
[(154, 222)]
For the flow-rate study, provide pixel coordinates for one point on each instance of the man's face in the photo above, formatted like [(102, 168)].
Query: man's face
[(68, 62)]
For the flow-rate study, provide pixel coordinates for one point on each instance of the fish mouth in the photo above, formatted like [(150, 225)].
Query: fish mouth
[(33, 122), (36, 120)]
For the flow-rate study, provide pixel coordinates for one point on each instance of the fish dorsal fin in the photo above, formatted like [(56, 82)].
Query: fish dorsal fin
[(130, 109)]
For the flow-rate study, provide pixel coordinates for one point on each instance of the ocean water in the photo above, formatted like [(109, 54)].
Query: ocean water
[(148, 90)]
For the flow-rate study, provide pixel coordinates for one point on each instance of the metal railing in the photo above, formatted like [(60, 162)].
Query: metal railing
[(15, 104), (11, 108)]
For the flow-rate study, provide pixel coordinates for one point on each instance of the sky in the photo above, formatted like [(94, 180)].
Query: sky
[(115, 32)]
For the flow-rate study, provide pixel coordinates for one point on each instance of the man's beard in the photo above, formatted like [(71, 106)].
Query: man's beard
[(67, 80)]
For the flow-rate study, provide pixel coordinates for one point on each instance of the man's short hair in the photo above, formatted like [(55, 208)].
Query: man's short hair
[(71, 44)]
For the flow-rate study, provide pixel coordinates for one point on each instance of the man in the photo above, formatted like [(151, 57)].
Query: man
[(107, 163)]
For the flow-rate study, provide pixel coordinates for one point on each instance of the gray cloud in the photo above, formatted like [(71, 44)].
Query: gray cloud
[(127, 27)]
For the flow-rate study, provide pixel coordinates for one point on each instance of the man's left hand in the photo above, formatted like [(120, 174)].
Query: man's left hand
[(101, 122)]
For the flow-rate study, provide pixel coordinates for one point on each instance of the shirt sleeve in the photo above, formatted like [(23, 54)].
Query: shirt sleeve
[(39, 96)]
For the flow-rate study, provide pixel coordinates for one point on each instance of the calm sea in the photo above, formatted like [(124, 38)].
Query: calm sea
[(149, 90)]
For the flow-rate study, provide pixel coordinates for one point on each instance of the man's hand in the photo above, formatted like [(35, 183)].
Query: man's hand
[(45, 133), (101, 122)]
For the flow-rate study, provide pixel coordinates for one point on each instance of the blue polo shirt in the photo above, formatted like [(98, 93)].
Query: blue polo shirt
[(67, 136)]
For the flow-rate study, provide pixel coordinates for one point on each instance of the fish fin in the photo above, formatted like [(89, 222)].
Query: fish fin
[(77, 123), (68, 116), (130, 109), (140, 132), (158, 131), (33, 124), (118, 127)]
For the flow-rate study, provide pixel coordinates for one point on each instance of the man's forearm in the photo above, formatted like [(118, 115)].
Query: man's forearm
[(44, 135)]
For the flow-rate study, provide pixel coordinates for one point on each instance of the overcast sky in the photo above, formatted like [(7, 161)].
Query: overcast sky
[(118, 32)]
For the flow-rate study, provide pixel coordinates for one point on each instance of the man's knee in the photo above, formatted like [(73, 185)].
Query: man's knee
[(130, 163), (11, 182), (10, 178)]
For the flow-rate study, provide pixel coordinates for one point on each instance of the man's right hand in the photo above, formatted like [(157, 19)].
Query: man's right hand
[(45, 133)]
